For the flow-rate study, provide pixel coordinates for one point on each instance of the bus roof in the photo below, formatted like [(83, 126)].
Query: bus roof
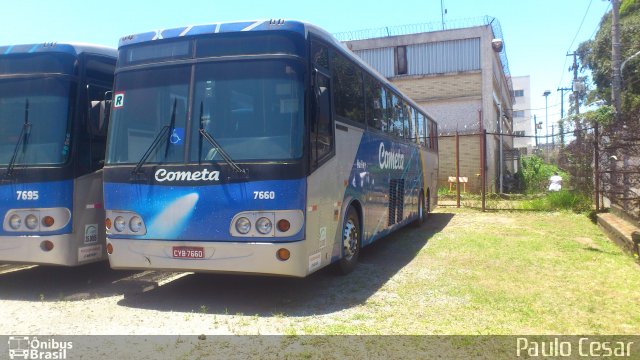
[(67, 48), (214, 28)]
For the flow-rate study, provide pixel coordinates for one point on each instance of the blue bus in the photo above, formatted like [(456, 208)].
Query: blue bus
[(52, 142), (261, 147)]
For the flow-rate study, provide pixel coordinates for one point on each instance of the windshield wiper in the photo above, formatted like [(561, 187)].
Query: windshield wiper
[(221, 151), (204, 134), (165, 131), (24, 135)]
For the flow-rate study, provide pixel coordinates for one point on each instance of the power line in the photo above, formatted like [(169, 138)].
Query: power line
[(580, 27), (575, 37)]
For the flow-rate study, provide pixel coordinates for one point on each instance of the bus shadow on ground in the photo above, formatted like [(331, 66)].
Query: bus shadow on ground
[(321, 293), (53, 283)]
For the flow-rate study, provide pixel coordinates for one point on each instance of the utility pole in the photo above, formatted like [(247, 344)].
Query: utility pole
[(546, 116), (615, 57), (442, 12), (535, 128), (576, 91), (561, 122), (575, 88)]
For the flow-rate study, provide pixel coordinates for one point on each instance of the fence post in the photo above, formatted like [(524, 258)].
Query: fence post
[(483, 160), (596, 166), (457, 169)]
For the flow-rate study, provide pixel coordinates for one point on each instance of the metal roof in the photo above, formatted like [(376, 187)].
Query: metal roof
[(68, 48)]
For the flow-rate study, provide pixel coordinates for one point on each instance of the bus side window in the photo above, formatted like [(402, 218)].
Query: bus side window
[(320, 55), (321, 139), (347, 88), (96, 94), (408, 123), (422, 129), (98, 71), (322, 130)]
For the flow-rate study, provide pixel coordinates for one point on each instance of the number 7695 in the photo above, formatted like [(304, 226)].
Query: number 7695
[(27, 195)]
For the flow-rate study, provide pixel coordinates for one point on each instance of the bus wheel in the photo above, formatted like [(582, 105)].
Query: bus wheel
[(428, 205), (350, 242), (421, 214)]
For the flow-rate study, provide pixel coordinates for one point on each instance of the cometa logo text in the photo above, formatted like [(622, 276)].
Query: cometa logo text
[(389, 159), (204, 175)]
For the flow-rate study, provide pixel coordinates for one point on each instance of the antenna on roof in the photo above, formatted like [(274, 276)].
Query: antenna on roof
[(443, 12)]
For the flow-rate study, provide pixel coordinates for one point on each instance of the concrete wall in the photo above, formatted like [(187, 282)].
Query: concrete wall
[(453, 100)]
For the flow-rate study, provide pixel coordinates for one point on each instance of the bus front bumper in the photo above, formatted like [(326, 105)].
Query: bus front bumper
[(217, 257), (49, 250)]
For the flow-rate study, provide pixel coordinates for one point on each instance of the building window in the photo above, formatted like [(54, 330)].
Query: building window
[(519, 93), (518, 133), (401, 60), (518, 114)]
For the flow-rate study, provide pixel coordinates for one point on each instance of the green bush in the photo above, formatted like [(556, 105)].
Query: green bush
[(534, 175)]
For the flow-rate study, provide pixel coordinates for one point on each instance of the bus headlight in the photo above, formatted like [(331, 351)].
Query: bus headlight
[(263, 225), (123, 222), (31, 221), (135, 224), (36, 219), (119, 224), (15, 221), (243, 225)]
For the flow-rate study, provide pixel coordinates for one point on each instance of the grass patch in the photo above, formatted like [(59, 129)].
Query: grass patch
[(561, 200), (552, 201), (501, 273)]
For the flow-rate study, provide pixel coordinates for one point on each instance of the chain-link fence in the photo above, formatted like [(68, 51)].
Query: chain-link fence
[(482, 170)]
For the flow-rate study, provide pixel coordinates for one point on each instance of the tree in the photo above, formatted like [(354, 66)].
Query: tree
[(595, 55), (619, 141)]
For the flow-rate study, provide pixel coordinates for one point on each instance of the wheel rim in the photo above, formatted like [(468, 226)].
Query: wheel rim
[(350, 239)]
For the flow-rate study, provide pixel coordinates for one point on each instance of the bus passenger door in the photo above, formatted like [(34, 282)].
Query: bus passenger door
[(321, 182)]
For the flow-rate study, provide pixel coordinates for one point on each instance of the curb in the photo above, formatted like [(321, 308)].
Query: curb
[(623, 233)]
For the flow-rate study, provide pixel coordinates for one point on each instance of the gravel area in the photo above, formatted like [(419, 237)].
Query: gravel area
[(94, 299)]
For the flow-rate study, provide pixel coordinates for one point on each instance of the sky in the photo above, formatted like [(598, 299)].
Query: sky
[(537, 33)]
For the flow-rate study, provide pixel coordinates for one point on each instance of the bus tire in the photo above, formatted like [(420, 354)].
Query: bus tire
[(351, 236), (421, 212)]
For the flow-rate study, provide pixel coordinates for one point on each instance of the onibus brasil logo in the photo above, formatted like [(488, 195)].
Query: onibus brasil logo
[(25, 347)]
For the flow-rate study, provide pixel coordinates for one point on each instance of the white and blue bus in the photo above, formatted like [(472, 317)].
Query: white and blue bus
[(52, 145), (260, 147)]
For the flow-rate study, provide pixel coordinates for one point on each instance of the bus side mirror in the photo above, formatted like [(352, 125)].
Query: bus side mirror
[(99, 117)]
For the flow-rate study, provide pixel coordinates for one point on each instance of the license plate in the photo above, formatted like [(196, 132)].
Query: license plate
[(188, 252)]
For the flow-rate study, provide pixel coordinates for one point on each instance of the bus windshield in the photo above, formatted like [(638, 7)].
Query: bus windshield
[(144, 102), (48, 139), (254, 109)]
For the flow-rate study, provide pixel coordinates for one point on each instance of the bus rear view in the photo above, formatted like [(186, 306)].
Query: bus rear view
[(51, 152)]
